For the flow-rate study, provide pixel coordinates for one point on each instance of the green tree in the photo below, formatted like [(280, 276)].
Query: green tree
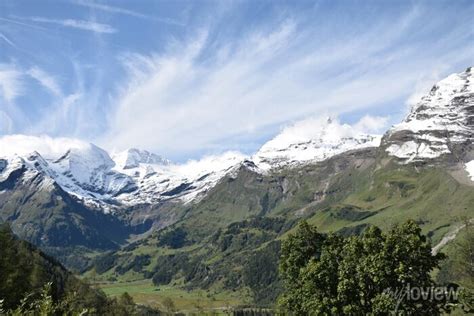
[(464, 267), (358, 275), (302, 247), (465, 263)]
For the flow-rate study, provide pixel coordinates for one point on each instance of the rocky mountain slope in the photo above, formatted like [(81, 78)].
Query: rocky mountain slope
[(83, 196), (135, 177), (229, 240), (440, 126), (132, 177)]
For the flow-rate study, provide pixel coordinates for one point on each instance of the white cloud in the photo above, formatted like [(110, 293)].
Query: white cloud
[(424, 83), (6, 123), (372, 124), (185, 100), (47, 146), (85, 25), (327, 128), (10, 82), (226, 85), (46, 80), (118, 10)]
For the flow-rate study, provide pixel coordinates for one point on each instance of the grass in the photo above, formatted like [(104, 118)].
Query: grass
[(432, 197), (144, 292)]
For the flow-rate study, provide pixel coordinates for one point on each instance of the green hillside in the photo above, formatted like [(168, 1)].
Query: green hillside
[(230, 241), (33, 283)]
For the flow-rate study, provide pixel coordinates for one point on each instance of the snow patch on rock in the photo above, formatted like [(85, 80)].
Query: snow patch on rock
[(470, 169), (440, 120)]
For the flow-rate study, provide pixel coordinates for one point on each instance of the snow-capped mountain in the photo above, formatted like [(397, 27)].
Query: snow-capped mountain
[(87, 172), (440, 124), (311, 141), (136, 176), (158, 180), (131, 177), (133, 157)]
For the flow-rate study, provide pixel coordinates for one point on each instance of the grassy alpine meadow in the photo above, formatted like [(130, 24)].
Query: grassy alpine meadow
[(145, 292)]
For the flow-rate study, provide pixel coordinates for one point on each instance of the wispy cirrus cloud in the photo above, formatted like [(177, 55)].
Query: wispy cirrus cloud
[(11, 84), (7, 40), (85, 25), (230, 79), (202, 95), (46, 80), (119, 10), (66, 112), (21, 23)]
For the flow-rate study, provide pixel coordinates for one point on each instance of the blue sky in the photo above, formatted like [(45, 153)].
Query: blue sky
[(188, 78)]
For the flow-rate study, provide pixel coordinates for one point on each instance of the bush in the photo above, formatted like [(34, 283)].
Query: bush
[(174, 239)]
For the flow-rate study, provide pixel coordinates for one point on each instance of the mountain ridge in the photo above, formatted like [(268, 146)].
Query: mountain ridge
[(94, 201)]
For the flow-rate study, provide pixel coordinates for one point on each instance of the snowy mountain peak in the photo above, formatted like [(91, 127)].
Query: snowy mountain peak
[(84, 164), (441, 123), (132, 158), (312, 140), (438, 124)]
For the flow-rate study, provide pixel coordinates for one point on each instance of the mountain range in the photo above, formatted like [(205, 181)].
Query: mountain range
[(221, 210)]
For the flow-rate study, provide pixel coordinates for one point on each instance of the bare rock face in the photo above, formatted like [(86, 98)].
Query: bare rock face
[(440, 127)]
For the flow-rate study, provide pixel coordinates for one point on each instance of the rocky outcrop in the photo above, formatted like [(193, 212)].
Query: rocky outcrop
[(440, 127)]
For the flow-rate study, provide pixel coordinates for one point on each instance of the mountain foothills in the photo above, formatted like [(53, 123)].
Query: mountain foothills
[(218, 223), (33, 283)]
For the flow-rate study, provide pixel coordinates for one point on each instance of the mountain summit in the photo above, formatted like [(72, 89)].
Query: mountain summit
[(133, 157), (311, 141), (440, 125)]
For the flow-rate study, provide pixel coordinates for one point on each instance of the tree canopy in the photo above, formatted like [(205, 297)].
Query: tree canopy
[(370, 274)]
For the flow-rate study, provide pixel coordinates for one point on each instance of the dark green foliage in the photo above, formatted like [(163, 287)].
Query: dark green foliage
[(43, 304), (198, 271), (162, 276), (353, 276), (345, 194), (464, 264), (274, 224), (131, 246), (136, 264), (243, 240), (459, 267), (265, 204), (175, 238), (105, 262), (298, 249), (169, 266), (32, 283), (260, 274), (352, 230), (350, 213), (248, 234), (239, 250), (252, 312), (25, 269)]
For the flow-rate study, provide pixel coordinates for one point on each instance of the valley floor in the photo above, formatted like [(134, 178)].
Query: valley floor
[(144, 292)]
